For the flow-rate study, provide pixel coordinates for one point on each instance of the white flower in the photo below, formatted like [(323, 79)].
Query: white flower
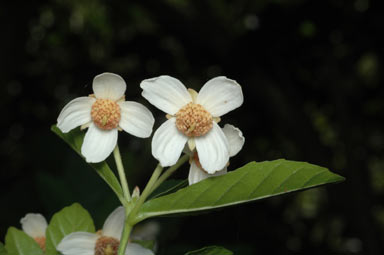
[(104, 243), (192, 119), (235, 140), (34, 225), (104, 113)]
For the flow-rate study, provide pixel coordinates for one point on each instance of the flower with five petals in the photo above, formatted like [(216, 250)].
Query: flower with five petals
[(104, 113), (192, 118)]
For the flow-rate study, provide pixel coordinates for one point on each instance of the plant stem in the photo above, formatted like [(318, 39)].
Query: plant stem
[(124, 238), (120, 170), (170, 171), (147, 191), (153, 183)]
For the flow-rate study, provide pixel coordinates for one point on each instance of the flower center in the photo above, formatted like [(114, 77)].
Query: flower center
[(106, 246), (193, 120), (40, 240), (105, 114)]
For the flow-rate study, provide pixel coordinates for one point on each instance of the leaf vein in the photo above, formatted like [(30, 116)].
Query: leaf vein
[(230, 187), (262, 181), (319, 173), (288, 178), (193, 201)]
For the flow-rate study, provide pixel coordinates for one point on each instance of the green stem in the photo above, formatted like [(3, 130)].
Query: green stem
[(124, 238), (170, 171), (120, 170), (153, 183), (147, 191)]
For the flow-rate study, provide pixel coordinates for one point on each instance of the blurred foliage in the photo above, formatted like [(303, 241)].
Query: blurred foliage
[(312, 80)]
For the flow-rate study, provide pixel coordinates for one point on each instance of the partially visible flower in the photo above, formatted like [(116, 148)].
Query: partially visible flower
[(235, 140), (104, 113), (104, 242), (192, 118), (34, 225)]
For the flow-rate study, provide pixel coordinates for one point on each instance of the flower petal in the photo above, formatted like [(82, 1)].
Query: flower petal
[(76, 113), (146, 231), (136, 249), (98, 144), (34, 224), (113, 225), (109, 86), (136, 119), (166, 93), (220, 95), (168, 143), (212, 149), (196, 174), (78, 243), (235, 139)]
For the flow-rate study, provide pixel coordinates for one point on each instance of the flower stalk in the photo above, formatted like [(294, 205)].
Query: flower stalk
[(147, 191), (120, 170), (124, 237), (170, 171)]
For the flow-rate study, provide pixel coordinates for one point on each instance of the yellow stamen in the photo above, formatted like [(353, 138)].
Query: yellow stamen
[(106, 246), (105, 114), (193, 120)]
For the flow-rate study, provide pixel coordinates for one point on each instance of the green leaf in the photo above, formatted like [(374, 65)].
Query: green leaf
[(211, 250), (19, 243), (70, 219), (3, 251), (256, 180), (75, 139), (168, 187)]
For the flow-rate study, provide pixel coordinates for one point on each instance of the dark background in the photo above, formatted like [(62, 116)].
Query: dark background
[(312, 81)]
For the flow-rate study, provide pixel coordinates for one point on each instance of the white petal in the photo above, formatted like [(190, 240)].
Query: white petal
[(168, 143), (109, 86), (136, 249), (212, 149), (136, 119), (196, 174), (146, 231), (220, 95), (98, 143), (166, 93), (235, 139), (114, 224), (76, 113), (78, 243), (34, 224)]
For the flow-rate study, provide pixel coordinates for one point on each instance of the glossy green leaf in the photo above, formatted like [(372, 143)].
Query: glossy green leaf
[(168, 187), (3, 251), (70, 219), (211, 250), (19, 243), (75, 139), (253, 181)]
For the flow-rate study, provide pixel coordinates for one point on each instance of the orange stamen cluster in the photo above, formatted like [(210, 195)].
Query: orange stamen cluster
[(193, 120), (41, 242), (106, 246), (105, 114)]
